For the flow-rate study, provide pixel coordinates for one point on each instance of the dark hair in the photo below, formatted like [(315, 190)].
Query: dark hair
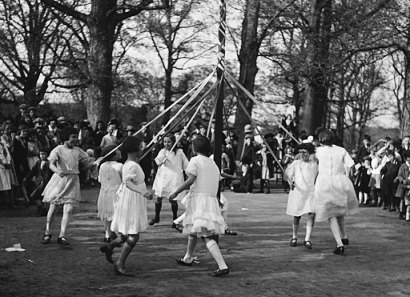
[(172, 139), (131, 144), (67, 131), (202, 145), (306, 146), (390, 153), (106, 152), (366, 137), (326, 137)]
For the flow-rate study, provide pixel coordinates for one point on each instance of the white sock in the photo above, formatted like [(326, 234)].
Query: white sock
[(308, 232), (216, 253)]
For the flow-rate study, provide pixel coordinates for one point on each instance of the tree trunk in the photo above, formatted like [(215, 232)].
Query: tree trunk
[(405, 122), (247, 58), (102, 28), (167, 93), (318, 42)]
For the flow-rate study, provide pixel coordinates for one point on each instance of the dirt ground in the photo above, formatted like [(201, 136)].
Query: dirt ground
[(261, 261)]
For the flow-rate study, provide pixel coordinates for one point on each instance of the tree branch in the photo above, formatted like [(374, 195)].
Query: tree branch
[(66, 9), (136, 10)]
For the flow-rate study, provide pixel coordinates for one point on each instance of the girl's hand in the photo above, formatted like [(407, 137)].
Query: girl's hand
[(149, 195), (172, 197), (61, 173)]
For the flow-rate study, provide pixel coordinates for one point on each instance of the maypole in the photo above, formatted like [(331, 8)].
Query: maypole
[(220, 74)]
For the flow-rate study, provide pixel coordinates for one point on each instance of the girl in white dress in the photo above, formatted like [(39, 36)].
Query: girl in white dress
[(130, 211), (5, 169), (203, 216), (170, 175), (110, 178), (64, 186), (334, 193), (302, 174)]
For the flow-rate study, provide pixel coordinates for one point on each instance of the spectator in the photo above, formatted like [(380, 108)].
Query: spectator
[(100, 131), (364, 150), (53, 133), (389, 173)]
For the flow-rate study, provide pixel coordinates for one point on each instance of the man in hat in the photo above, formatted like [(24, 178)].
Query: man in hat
[(130, 130), (32, 112), (248, 159), (114, 124), (23, 108), (41, 134)]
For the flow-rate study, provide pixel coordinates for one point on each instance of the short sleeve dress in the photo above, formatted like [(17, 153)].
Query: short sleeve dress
[(300, 200), (110, 178), (203, 215), (334, 192), (66, 189), (130, 209), (170, 175)]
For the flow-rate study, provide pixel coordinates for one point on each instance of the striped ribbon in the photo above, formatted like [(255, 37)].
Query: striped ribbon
[(222, 36)]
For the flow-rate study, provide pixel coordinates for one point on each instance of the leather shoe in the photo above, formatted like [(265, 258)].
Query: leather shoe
[(340, 250), (183, 263), (230, 232), (345, 241), (62, 241), (307, 244), (293, 242), (219, 272), (122, 271), (108, 253)]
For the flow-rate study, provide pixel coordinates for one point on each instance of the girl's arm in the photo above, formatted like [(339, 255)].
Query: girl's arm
[(190, 180), (130, 183), (53, 168), (161, 158)]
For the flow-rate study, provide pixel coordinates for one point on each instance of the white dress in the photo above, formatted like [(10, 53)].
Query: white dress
[(203, 215), (170, 175), (110, 178), (66, 189), (130, 209), (303, 174), (334, 192), (5, 174)]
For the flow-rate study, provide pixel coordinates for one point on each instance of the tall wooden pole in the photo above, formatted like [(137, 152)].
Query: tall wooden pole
[(220, 93)]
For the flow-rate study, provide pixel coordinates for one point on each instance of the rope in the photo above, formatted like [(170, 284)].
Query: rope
[(257, 130), (200, 84), (238, 84)]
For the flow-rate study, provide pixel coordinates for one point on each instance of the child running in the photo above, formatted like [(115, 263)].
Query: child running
[(64, 186), (130, 212), (203, 217), (302, 174), (170, 175), (110, 178)]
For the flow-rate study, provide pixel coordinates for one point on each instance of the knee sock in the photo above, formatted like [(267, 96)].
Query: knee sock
[(158, 207), (309, 226), (174, 208), (216, 253), (295, 227), (334, 226), (342, 226), (126, 249)]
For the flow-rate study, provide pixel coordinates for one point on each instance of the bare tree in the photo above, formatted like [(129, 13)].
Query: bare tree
[(175, 34), (32, 46), (103, 18)]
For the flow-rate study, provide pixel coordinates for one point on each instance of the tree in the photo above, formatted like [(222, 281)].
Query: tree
[(174, 34), (104, 19), (32, 46)]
